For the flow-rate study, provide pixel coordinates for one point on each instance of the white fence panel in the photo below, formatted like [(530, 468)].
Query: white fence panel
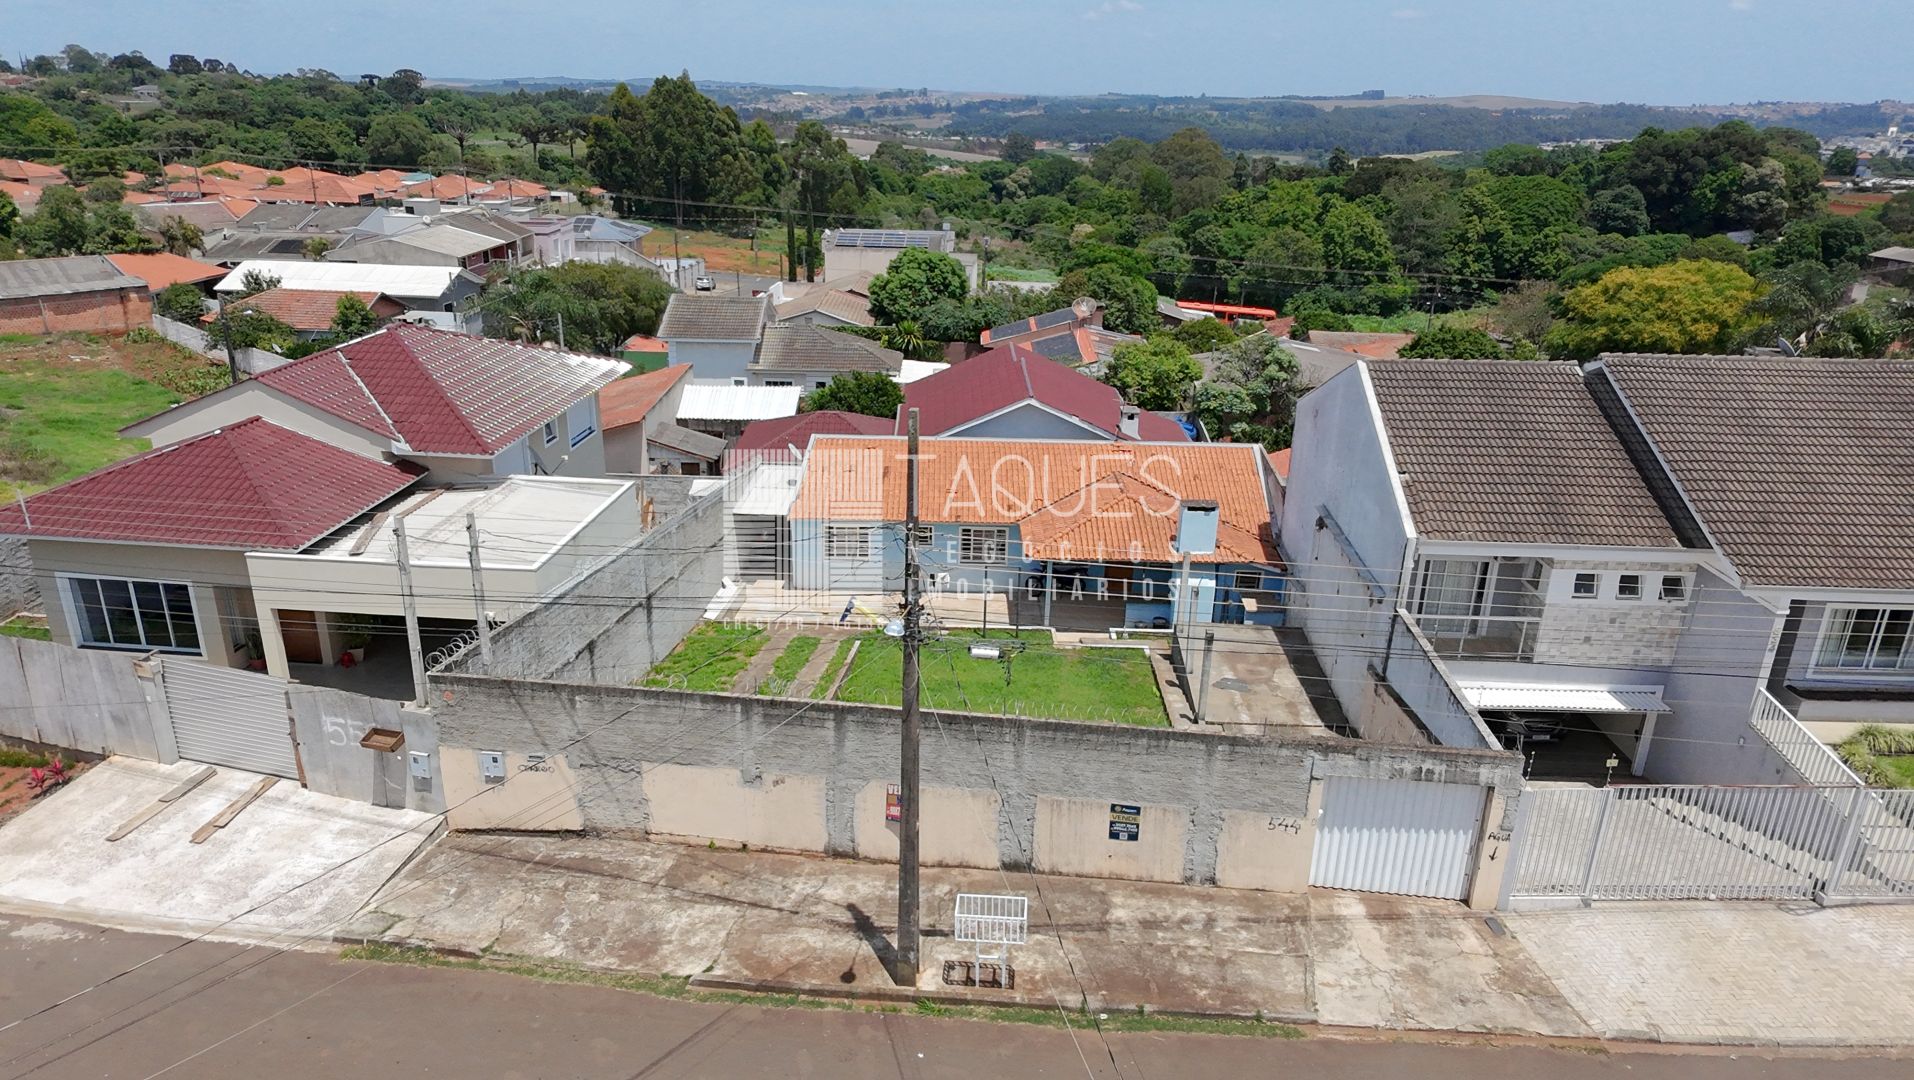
[(1407, 837), (1807, 755), (224, 716)]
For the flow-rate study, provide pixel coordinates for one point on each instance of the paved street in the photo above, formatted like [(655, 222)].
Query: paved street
[(215, 1011)]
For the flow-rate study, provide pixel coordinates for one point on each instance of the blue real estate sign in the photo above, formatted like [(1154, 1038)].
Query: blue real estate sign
[(1126, 821)]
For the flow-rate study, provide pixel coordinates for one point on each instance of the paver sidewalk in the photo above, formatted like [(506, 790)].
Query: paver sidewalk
[(765, 921)]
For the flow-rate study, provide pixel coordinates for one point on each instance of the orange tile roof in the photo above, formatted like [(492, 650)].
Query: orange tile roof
[(24, 196), (160, 270), (1279, 461), (627, 401), (1070, 499), (517, 189), (143, 198), (28, 172), (644, 343), (447, 188), (308, 309), (211, 187)]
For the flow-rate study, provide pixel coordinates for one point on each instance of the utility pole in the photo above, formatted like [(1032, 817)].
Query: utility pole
[(983, 268), (478, 590), (412, 641), (226, 332), (561, 331), (907, 884)]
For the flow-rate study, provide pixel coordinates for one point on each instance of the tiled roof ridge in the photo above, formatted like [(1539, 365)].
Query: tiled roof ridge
[(432, 377)]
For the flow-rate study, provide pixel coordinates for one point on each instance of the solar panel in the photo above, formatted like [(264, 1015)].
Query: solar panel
[(1054, 318)]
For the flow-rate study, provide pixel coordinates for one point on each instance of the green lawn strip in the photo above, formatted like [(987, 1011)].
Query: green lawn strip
[(1101, 685), (829, 679), (57, 423), (1901, 769), (21, 759), (679, 989), (22, 628), (785, 669), (709, 659)]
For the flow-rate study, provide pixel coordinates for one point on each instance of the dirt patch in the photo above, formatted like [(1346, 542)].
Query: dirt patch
[(178, 369), (16, 796), (722, 254)]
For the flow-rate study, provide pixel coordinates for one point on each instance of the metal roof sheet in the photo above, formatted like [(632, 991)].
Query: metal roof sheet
[(401, 281), (22, 278), (1514, 697), (722, 401)]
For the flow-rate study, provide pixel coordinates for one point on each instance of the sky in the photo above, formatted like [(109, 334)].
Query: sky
[(1663, 52)]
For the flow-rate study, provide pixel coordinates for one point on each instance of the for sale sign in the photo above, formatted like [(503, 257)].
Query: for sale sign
[(1126, 821)]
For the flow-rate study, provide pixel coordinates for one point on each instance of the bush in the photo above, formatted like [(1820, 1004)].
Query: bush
[(180, 303)]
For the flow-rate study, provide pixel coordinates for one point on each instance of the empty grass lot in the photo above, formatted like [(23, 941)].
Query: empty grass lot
[(709, 659), (1100, 685), (797, 652)]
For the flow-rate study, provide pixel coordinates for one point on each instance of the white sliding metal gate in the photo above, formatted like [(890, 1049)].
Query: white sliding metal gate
[(225, 716), (1694, 842), (1408, 837)]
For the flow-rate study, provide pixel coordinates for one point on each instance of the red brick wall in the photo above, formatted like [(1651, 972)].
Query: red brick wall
[(113, 312)]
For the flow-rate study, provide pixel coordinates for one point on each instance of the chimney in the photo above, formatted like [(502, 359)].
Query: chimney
[(1127, 420)]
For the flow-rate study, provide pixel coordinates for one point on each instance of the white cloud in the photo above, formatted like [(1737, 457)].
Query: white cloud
[(1407, 13), (1111, 7), (1741, 5)]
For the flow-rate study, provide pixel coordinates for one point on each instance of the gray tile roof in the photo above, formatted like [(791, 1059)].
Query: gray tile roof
[(686, 441), (1801, 470), (21, 278), (802, 347), (837, 303), (706, 317), (1506, 452)]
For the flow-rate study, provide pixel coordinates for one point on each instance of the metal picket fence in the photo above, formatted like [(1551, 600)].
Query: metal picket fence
[(1697, 842)]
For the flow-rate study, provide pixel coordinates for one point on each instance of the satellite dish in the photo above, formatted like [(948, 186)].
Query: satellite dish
[(1084, 307), (1787, 347)]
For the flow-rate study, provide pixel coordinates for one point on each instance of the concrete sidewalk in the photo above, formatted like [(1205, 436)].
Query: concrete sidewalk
[(291, 864), (822, 926)]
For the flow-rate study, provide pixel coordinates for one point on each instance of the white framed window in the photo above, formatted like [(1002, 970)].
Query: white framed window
[(982, 545), (1628, 587), (1248, 580), (923, 538), (551, 432), (1587, 586), (1866, 639), (580, 419), (847, 541), (128, 613), (1674, 588), (777, 382)]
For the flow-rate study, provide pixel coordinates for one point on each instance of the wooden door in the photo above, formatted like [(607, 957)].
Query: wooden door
[(300, 631), (1119, 577)]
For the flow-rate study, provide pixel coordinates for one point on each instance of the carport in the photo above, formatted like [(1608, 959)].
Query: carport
[(1569, 732)]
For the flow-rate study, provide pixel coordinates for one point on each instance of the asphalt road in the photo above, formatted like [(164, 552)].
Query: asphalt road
[(215, 1011)]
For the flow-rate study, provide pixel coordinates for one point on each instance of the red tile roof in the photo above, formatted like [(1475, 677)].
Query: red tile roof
[(1279, 461), (251, 486), (1005, 376), (443, 392), (31, 172), (161, 270), (309, 309), (644, 343), (786, 431), (627, 401)]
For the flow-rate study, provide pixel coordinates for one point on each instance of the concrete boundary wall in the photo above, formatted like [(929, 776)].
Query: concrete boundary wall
[(81, 699), (1016, 793), (251, 361)]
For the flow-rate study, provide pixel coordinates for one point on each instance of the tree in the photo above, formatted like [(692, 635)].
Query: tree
[(180, 302), (1897, 214), (1355, 242), (1129, 301), (596, 306), (916, 279), (59, 226), (256, 281), (1692, 306), (105, 190), (183, 64), (872, 393), (1339, 163), (353, 318), (1204, 335), (673, 145), (1019, 148), (1451, 342), (9, 217), (241, 328), (397, 139), (966, 319), (1156, 374), (1620, 210), (1251, 393), (315, 248), (906, 337), (405, 86), (1801, 301), (1843, 161), (179, 236)]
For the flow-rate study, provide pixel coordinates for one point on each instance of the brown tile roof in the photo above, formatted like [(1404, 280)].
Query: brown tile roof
[(801, 347), (309, 309), (1077, 499), (30, 172), (705, 317), (840, 304), (1801, 470), (627, 401), (161, 270), (1517, 453)]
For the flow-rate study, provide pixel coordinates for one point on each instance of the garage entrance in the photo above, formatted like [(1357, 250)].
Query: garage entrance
[(1406, 837)]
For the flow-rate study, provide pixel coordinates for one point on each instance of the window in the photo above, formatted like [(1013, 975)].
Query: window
[(922, 539), (777, 382), (982, 546), (1628, 587), (117, 613), (1587, 586), (1248, 580), (580, 420), (1674, 588), (847, 541), (551, 432), (1867, 639)]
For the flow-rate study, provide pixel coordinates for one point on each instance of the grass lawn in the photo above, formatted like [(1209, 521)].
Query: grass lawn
[(25, 629), (63, 400), (829, 677), (1106, 685), (1019, 273), (1901, 769), (709, 659), (785, 668)]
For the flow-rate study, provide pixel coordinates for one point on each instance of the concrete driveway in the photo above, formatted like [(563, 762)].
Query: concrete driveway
[(293, 863)]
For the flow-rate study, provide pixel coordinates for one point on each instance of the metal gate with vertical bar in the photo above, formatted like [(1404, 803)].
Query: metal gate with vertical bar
[(1408, 837), (224, 716)]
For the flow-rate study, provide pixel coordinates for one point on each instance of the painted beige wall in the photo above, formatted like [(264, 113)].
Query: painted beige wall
[(779, 811), (959, 827), (229, 407), (1073, 837), (532, 798), (1260, 851)]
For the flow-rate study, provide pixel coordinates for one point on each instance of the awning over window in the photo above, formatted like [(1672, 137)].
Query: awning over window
[(1521, 697)]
